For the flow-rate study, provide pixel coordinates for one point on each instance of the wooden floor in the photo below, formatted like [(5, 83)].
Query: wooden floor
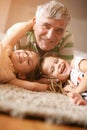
[(10, 123)]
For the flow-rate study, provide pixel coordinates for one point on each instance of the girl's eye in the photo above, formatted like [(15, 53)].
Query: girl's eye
[(52, 70), (26, 53), (56, 61)]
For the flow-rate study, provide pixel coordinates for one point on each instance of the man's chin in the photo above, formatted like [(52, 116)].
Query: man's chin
[(45, 48)]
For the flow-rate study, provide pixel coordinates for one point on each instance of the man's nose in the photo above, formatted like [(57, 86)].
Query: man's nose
[(50, 34)]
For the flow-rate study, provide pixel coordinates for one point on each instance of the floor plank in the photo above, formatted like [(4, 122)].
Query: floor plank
[(10, 123)]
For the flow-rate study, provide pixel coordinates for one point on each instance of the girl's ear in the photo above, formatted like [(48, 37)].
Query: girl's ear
[(22, 76)]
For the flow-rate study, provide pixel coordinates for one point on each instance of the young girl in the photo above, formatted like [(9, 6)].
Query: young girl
[(57, 68), (15, 65)]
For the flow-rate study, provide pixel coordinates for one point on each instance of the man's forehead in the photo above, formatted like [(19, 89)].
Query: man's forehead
[(52, 22)]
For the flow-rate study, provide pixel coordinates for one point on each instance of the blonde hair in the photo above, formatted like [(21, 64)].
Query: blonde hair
[(53, 9)]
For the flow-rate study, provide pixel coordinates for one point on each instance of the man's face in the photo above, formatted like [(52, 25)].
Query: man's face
[(24, 61), (48, 32)]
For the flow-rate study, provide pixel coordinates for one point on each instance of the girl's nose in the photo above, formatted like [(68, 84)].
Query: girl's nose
[(25, 57), (60, 66)]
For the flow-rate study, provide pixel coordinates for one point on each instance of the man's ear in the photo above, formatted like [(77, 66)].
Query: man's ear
[(34, 20), (34, 23), (21, 76)]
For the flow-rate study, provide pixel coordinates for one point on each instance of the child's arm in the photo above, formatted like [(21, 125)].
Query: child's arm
[(16, 32), (77, 98), (83, 84), (43, 80), (34, 86), (82, 66), (82, 87)]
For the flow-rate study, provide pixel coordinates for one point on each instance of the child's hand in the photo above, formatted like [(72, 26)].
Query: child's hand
[(77, 98), (70, 87)]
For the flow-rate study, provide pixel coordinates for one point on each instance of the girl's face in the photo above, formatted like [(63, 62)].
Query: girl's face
[(55, 67), (24, 61)]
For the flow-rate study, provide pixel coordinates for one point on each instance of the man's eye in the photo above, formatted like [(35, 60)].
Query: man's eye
[(46, 27), (59, 31)]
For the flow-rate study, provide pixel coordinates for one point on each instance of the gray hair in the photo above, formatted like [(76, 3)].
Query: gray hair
[(53, 9)]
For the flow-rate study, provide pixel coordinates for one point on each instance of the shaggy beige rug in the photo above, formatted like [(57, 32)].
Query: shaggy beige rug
[(53, 107)]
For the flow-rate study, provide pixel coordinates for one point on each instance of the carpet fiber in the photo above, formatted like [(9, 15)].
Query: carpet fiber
[(52, 107)]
